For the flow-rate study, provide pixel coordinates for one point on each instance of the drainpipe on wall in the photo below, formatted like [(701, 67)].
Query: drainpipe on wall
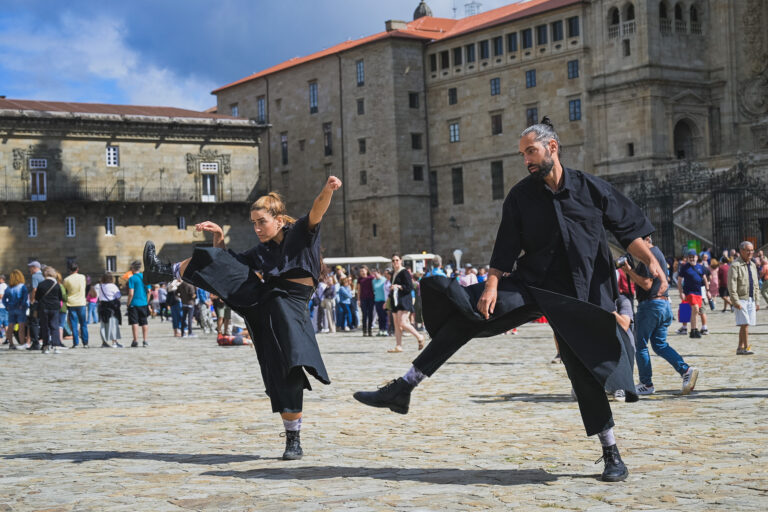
[(343, 165)]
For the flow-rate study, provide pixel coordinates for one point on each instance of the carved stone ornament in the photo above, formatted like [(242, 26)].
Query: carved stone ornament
[(21, 158), (754, 95), (755, 40), (208, 155)]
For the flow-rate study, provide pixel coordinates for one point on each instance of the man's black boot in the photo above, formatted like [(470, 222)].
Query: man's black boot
[(395, 395), (155, 271), (615, 470), (292, 445)]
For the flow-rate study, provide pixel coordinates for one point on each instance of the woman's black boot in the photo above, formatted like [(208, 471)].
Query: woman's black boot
[(155, 271), (615, 470), (292, 445)]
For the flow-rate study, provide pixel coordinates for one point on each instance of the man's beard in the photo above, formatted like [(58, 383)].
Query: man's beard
[(544, 168)]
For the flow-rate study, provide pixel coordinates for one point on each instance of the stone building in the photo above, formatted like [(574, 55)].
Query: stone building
[(422, 121), (91, 182)]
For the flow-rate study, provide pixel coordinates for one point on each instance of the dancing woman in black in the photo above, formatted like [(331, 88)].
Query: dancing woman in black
[(270, 286)]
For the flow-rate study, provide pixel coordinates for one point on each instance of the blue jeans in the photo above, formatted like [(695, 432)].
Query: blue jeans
[(344, 318), (381, 314), (651, 322), (176, 316), (77, 315), (93, 317)]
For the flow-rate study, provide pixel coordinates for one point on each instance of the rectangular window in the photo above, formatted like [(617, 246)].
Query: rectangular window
[(418, 173), (70, 225), (457, 56), (234, 110), (31, 227), (541, 34), (470, 52), (433, 189), (361, 146), (573, 69), (498, 46), (627, 51), (208, 188), (284, 147), (531, 116), (109, 226), (363, 177), (113, 156), (485, 49), (413, 100), (181, 222), (453, 96), (360, 70), (313, 97), (360, 106), (527, 38), (574, 110), (445, 60), (453, 132), (512, 42), (630, 149), (374, 231), (497, 180), (111, 265), (327, 139), (433, 62), (38, 163), (38, 185), (495, 86), (496, 127), (416, 141), (557, 30), (530, 78), (457, 182), (573, 26), (261, 109)]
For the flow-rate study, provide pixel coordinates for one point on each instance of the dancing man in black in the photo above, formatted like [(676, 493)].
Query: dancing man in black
[(270, 286), (551, 257)]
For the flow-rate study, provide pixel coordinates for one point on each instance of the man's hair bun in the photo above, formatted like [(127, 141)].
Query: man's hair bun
[(547, 121)]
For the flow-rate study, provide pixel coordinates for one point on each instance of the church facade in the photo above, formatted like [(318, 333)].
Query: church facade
[(422, 121)]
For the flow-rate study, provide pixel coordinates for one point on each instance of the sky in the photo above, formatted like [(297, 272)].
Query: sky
[(174, 52)]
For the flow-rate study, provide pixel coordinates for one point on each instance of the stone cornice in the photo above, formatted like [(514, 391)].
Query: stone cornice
[(15, 123)]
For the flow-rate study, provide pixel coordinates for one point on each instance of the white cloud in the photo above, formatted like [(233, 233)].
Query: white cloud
[(90, 60)]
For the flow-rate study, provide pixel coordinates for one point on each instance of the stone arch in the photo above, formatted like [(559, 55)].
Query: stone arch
[(693, 14), (663, 10), (684, 139), (628, 11), (679, 11), (613, 16)]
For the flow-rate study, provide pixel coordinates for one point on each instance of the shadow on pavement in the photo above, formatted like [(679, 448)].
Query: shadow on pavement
[(433, 476), (492, 363), (181, 458), (708, 393), (523, 397)]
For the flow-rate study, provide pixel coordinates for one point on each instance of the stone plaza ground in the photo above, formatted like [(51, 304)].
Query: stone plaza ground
[(184, 425)]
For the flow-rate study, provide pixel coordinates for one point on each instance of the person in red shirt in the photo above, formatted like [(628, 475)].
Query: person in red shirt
[(626, 287), (722, 275)]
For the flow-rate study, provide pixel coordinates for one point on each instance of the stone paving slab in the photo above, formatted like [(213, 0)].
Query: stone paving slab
[(184, 425)]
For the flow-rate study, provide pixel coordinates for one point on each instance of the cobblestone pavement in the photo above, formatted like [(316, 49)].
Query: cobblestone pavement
[(184, 425)]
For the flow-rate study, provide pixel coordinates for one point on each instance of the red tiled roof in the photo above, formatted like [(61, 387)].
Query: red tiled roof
[(101, 108), (426, 28)]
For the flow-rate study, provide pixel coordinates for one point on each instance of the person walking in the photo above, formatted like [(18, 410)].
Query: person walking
[(48, 298), (692, 278), (653, 318), (366, 298), (138, 305), (401, 302), (379, 300), (274, 305), (743, 290), (76, 305), (32, 341), (188, 295), (557, 219), (110, 317), (16, 301)]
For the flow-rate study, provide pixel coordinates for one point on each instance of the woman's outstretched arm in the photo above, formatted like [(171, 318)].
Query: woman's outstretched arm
[(323, 201), (218, 233)]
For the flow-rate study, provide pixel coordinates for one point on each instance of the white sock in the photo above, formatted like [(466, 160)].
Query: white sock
[(413, 376), (606, 437), (176, 268), (292, 425)]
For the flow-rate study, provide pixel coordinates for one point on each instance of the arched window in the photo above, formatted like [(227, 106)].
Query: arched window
[(662, 10), (629, 12), (678, 12), (695, 23), (683, 141), (613, 16), (694, 14)]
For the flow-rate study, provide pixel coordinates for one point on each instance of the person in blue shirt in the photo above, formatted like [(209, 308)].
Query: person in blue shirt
[(691, 277), (344, 322), (16, 300), (437, 267), (138, 305)]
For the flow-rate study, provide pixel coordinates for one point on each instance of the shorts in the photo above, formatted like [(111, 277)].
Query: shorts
[(18, 316), (746, 315), (3, 317), (693, 299), (138, 315), (223, 312), (723, 292)]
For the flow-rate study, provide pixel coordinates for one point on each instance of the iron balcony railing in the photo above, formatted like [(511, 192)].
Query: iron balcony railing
[(118, 193)]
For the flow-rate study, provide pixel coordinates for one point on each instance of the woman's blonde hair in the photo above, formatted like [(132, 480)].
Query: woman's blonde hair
[(16, 278), (49, 272), (273, 204)]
